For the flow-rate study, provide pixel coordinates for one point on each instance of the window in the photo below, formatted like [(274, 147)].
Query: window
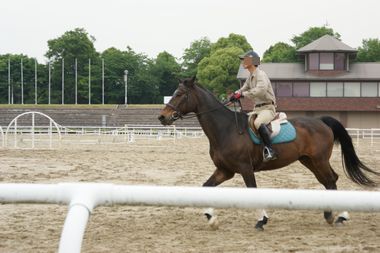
[(339, 61), (284, 89), (326, 61), (335, 89), (352, 89), (301, 89), (369, 89), (313, 61), (317, 89)]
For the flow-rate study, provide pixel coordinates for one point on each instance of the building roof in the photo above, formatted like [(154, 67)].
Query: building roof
[(326, 43), (296, 71)]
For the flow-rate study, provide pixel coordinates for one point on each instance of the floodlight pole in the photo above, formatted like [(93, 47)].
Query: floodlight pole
[(89, 81), (76, 81), (35, 81), (22, 83), (126, 87), (63, 81), (9, 81), (103, 81)]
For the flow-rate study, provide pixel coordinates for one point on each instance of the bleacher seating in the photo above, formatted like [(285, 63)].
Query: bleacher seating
[(72, 116)]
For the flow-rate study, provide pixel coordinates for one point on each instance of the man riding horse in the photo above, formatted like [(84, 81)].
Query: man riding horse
[(258, 87)]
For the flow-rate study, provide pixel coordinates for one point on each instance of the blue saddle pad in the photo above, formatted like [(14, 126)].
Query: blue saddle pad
[(286, 134)]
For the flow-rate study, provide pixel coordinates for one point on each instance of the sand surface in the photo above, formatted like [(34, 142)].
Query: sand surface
[(37, 228)]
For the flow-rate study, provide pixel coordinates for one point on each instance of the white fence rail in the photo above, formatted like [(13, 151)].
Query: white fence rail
[(82, 198), (52, 134)]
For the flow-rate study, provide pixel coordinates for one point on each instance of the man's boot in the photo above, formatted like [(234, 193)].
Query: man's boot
[(268, 152)]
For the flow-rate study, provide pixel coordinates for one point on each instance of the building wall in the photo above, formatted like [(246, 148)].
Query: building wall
[(348, 119)]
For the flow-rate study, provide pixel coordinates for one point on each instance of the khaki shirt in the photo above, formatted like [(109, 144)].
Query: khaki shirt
[(258, 88)]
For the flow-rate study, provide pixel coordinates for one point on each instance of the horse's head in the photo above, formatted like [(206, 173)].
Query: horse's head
[(181, 103)]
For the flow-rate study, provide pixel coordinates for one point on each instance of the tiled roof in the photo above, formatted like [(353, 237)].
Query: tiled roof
[(326, 43)]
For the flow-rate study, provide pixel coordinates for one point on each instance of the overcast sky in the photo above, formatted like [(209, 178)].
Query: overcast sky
[(151, 27)]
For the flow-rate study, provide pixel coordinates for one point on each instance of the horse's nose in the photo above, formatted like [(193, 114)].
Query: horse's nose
[(161, 118)]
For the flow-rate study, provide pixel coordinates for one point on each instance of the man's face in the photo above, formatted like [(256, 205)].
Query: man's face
[(246, 62)]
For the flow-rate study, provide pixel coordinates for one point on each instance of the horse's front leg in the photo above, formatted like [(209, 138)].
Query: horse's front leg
[(218, 177), (250, 182)]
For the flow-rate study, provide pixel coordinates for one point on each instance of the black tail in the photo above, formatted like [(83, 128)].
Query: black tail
[(353, 167)]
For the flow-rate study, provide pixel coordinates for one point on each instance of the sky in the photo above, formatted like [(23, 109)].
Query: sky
[(150, 27)]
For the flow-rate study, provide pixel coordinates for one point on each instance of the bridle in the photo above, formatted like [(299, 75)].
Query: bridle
[(177, 114)]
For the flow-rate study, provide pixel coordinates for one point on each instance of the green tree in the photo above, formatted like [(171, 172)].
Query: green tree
[(218, 70), (369, 51), (280, 52), (193, 55), (142, 86), (75, 44), (16, 88), (166, 70), (312, 34), (233, 40)]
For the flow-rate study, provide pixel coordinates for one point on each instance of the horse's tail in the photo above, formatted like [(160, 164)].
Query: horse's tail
[(352, 165)]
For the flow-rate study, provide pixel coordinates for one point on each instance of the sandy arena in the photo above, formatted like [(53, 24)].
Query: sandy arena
[(37, 228)]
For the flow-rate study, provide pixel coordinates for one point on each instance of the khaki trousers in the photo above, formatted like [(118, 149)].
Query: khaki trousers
[(265, 114)]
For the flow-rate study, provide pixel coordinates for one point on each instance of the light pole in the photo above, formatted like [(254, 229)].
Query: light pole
[(126, 86)]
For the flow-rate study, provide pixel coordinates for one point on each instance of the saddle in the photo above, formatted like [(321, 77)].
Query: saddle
[(281, 129)]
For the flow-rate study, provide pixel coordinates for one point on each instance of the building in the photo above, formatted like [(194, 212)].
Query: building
[(326, 82)]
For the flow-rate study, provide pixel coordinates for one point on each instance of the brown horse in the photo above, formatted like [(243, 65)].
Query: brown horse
[(232, 150)]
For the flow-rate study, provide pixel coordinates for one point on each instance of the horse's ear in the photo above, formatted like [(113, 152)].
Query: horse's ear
[(191, 82), (179, 80)]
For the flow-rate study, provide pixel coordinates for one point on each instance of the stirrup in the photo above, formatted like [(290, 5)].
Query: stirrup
[(269, 154)]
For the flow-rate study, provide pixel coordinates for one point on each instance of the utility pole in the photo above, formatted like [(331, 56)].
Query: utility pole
[(126, 87)]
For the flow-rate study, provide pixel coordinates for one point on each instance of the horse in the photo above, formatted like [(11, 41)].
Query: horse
[(232, 150)]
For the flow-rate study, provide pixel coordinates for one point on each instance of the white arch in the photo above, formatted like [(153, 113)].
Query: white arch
[(2, 137), (33, 113)]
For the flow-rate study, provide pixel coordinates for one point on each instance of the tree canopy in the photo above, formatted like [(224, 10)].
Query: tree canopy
[(312, 34), (218, 70), (149, 79), (370, 51), (280, 52)]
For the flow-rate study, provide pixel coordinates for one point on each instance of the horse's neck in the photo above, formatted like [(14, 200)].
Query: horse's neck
[(215, 120)]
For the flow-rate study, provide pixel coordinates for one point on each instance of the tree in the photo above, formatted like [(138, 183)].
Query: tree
[(369, 51), (142, 88), (218, 70), (233, 40), (280, 52), (312, 34), (193, 55), (166, 70), (75, 44), (18, 90)]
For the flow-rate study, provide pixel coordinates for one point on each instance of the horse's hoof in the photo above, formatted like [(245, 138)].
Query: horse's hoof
[(329, 217), (342, 218), (260, 224), (212, 219), (259, 228)]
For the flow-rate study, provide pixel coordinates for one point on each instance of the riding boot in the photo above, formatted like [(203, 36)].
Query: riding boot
[(268, 152)]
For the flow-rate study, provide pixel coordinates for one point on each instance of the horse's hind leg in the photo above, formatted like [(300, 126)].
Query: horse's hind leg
[(322, 170), (218, 177)]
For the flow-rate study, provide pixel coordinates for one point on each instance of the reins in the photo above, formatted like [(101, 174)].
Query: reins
[(178, 115)]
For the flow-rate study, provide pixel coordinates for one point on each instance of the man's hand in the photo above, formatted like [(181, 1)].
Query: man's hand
[(236, 96)]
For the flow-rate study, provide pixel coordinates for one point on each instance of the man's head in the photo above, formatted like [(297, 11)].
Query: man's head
[(250, 58)]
